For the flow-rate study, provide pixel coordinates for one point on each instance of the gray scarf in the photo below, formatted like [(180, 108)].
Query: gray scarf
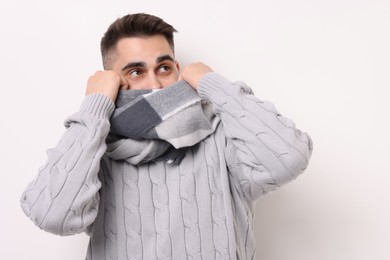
[(155, 125)]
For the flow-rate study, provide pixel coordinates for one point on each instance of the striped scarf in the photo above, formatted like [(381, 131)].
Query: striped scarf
[(158, 125)]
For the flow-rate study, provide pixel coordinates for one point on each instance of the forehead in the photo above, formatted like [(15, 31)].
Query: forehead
[(142, 48)]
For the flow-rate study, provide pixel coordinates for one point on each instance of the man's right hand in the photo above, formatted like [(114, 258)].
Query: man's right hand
[(105, 82)]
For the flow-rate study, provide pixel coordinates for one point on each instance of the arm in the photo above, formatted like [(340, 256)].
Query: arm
[(64, 197), (264, 150)]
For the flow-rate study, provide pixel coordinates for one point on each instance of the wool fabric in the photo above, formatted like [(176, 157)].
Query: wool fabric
[(201, 208), (158, 124)]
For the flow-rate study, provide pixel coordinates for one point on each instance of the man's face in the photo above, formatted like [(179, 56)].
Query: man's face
[(146, 63)]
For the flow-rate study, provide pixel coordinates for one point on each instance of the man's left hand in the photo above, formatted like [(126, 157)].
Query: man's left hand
[(192, 73)]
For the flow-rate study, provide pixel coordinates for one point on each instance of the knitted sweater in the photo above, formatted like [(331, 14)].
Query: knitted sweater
[(199, 209)]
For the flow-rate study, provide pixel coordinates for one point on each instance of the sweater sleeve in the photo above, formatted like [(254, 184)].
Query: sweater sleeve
[(264, 150), (64, 197)]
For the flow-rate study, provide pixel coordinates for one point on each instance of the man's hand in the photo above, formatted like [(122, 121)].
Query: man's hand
[(105, 82), (192, 73)]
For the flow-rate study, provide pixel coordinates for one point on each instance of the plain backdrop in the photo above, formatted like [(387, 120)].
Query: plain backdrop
[(324, 64)]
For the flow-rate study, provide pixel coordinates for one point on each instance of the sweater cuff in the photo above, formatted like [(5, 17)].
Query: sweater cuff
[(211, 84), (98, 105)]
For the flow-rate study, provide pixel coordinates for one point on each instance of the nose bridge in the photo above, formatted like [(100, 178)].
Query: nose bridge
[(154, 81)]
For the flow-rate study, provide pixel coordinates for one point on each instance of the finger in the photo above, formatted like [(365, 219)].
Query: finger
[(124, 84)]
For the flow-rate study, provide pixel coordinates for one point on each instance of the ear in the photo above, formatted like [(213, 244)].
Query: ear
[(177, 65)]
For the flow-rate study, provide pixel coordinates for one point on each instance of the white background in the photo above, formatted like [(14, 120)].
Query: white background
[(324, 64)]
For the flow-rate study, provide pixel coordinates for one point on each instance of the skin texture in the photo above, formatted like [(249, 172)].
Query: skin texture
[(143, 63)]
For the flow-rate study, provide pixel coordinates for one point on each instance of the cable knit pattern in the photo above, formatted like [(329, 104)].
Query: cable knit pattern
[(201, 208), (190, 209), (131, 214)]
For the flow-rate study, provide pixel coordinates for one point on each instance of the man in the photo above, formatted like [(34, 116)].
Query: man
[(178, 175)]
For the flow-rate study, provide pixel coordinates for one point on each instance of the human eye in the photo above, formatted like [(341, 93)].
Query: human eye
[(164, 69), (135, 73)]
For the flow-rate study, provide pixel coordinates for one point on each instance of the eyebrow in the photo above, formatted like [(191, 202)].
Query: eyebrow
[(133, 65), (164, 58), (143, 64)]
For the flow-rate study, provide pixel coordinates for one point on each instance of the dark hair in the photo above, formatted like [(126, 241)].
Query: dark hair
[(133, 25)]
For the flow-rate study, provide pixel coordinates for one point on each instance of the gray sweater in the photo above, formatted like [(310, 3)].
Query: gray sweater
[(199, 209)]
